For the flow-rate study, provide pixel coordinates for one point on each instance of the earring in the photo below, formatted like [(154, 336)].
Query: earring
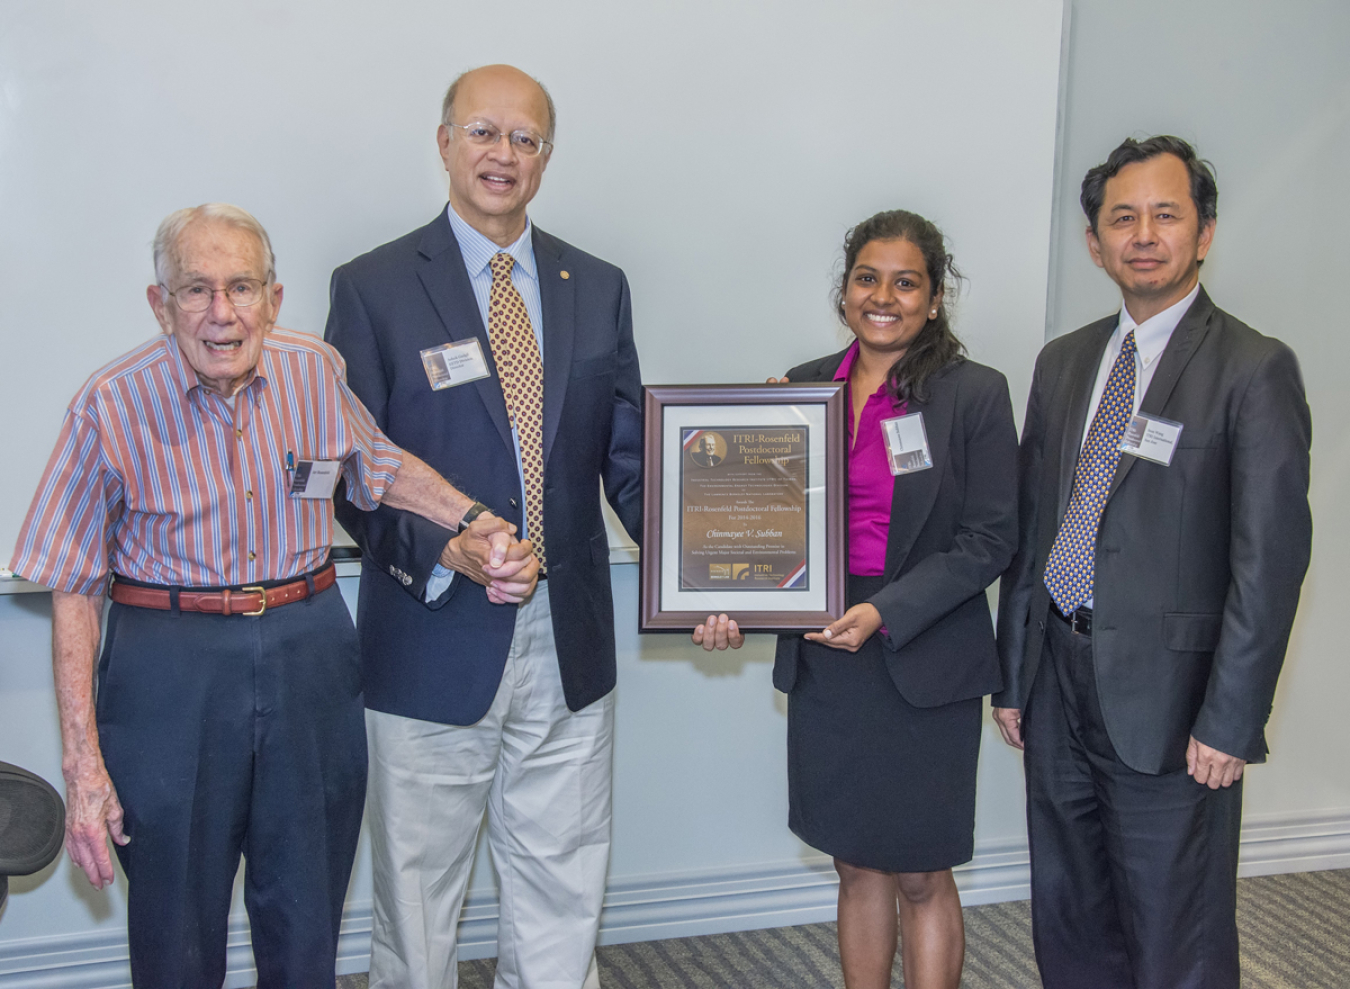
[(933, 314)]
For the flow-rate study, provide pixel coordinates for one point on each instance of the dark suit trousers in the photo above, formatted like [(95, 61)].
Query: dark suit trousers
[(1133, 876), (227, 736)]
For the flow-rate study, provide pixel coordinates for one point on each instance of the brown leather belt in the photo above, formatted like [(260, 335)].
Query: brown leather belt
[(253, 600)]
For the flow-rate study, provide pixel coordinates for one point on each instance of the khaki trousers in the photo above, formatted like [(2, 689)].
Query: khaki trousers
[(542, 773)]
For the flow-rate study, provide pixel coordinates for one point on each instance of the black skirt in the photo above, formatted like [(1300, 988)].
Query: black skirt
[(873, 780)]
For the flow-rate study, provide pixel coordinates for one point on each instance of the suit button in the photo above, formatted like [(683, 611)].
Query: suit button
[(514, 503)]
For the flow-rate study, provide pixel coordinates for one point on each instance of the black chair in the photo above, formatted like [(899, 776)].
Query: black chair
[(32, 824)]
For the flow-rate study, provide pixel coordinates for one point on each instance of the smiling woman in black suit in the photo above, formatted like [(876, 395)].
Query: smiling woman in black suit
[(884, 705)]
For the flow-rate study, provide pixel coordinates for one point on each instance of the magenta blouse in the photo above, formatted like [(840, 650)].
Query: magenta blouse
[(870, 482)]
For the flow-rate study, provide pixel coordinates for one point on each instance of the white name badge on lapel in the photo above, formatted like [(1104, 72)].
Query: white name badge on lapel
[(454, 363), (1151, 438), (315, 478), (907, 443)]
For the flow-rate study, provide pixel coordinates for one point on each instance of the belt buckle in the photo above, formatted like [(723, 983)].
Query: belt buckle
[(1079, 623), (262, 596)]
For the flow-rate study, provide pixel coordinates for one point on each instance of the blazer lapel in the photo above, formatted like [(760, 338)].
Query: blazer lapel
[(1181, 347), (557, 295), (447, 284), (1080, 377), (827, 367), (914, 494)]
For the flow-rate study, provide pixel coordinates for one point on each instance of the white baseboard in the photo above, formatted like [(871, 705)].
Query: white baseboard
[(1279, 843), (644, 908)]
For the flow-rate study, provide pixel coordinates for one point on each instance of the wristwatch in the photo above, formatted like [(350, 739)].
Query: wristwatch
[(475, 510)]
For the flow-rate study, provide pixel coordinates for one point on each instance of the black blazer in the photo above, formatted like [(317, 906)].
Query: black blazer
[(953, 530), (1199, 564), (443, 663)]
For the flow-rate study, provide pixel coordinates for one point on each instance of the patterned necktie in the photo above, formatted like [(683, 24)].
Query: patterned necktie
[(516, 353), (1068, 572)]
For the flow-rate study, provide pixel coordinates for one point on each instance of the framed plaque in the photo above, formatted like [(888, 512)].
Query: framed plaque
[(743, 500)]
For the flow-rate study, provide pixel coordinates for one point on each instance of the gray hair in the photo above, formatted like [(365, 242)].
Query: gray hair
[(448, 104), (166, 238)]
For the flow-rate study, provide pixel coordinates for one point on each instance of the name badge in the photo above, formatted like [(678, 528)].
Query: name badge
[(1151, 438), (315, 478), (907, 443), (454, 364)]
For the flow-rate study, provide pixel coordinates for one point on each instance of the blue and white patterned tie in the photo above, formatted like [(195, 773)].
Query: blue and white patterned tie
[(1068, 572)]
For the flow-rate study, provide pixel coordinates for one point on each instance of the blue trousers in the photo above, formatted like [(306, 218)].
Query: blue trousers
[(230, 736)]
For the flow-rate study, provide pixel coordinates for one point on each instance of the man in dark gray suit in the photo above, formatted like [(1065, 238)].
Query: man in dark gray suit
[(1165, 532), (505, 357)]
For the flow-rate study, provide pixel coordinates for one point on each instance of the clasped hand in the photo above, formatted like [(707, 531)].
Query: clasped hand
[(488, 553)]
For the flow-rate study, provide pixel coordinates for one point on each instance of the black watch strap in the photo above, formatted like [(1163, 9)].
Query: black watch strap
[(475, 510)]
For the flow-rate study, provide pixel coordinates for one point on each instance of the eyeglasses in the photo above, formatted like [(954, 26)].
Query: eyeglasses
[(198, 298), (523, 142)]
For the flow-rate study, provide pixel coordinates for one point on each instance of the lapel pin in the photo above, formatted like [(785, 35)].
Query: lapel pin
[(564, 274)]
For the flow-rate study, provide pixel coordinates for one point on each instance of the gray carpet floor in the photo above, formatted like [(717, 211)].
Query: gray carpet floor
[(1295, 935)]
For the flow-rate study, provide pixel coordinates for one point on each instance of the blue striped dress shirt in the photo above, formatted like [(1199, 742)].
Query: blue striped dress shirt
[(478, 252)]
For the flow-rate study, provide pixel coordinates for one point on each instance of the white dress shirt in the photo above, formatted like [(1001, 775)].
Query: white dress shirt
[(1150, 339)]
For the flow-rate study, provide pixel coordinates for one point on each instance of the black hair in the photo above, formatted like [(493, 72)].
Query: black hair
[(1204, 190), (936, 346)]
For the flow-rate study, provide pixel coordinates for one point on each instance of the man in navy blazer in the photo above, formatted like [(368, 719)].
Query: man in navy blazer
[(473, 704), (1140, 682)]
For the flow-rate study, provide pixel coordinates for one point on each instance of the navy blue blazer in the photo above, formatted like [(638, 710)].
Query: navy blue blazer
[(952, 533), (443, 662)]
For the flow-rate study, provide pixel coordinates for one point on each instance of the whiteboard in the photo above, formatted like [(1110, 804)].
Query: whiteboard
[(717, 150)]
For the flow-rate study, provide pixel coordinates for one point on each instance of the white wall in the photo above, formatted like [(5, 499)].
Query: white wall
[(716, 150), (700, 796)]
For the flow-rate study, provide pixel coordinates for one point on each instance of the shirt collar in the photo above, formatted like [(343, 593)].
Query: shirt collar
[(846, 367), (187, 376), (1151, 336), (478, 250)]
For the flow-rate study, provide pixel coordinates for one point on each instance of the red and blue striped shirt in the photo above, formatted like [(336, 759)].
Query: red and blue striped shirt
[(156, 478)]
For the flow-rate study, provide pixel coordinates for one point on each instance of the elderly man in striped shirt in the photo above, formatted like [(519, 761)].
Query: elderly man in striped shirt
[(196, 473)]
